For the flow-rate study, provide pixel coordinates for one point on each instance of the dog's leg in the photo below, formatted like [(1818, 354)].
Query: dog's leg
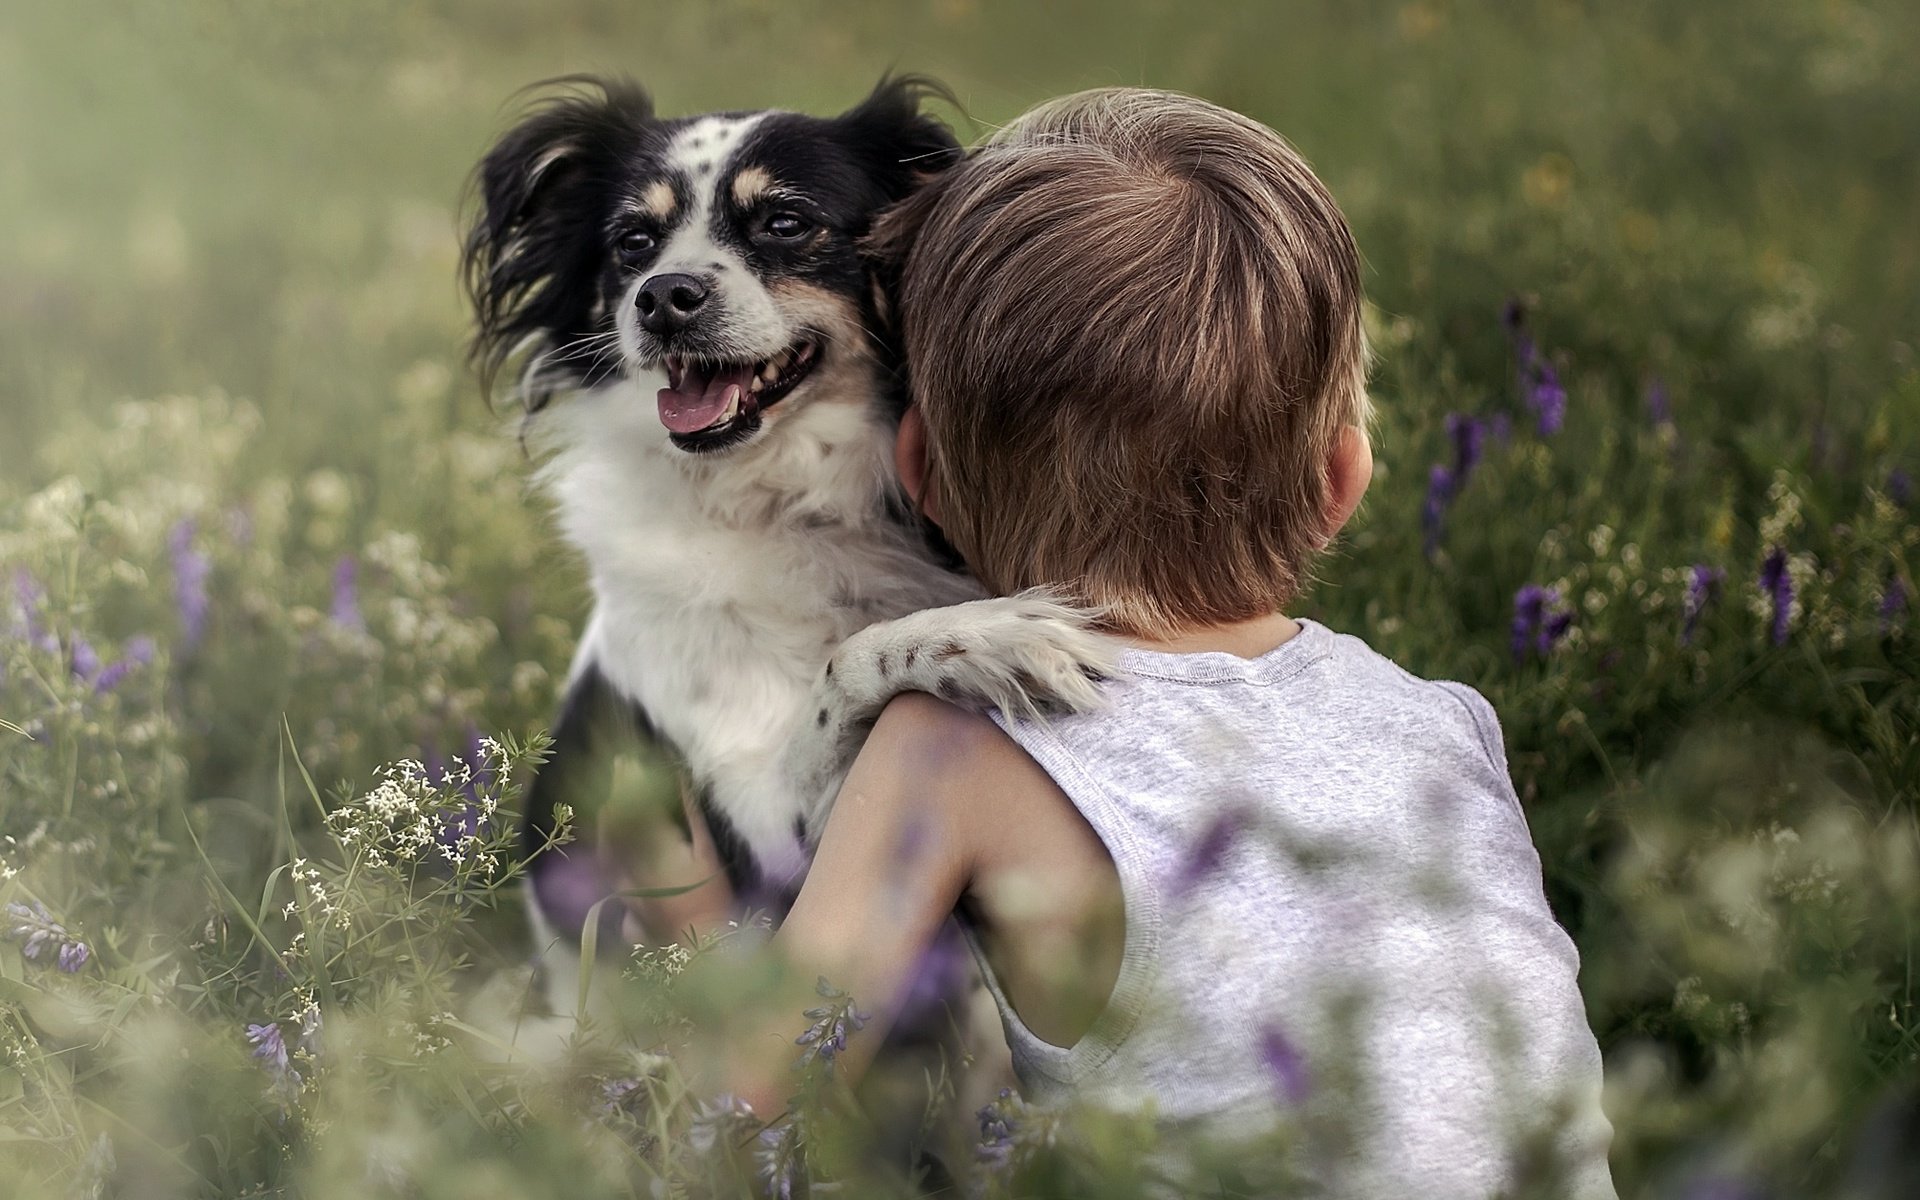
[(1028, 655)]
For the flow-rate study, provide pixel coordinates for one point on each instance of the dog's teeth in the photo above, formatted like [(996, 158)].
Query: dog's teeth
[(733, 403), (770, 372)]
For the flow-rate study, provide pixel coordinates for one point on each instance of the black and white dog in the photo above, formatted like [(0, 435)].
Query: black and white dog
[(716, 408)]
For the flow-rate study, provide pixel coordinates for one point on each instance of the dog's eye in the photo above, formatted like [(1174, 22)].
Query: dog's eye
[(786, 225), (636, 242)]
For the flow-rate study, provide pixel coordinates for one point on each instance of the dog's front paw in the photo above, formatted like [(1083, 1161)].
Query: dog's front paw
[(1028, 655)]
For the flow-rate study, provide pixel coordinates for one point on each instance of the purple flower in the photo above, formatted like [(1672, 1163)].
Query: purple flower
[(268, 1046), (1285, 1064), (1659, 404), (37, 932), (1203, 857), (614, 1094), (832, 1022), (1539, 622), (138, 654), (1468, 434), (86, 660), (1720, 1187), (1539, 382), (1547, 398), (1893, 602), (271, 1050), (1433, 513), (1703, 583), (191, 569), (722, 1120), (1776, 584), (1900, 487), (778, 1151), (994, 1150), (346, 595), (28, 597)]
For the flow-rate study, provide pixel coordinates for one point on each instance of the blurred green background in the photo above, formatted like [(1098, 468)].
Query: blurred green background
[(233, 340)]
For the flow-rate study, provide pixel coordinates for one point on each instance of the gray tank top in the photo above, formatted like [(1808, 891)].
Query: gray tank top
[(1333, 911)]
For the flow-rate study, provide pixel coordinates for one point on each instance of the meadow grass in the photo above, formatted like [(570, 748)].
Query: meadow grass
[(1644, 283)]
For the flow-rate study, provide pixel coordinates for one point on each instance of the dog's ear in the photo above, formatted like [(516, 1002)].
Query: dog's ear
[(536, 245), (907, 146)]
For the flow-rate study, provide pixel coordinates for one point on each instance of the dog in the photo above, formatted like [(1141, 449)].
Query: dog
[(713, 397)]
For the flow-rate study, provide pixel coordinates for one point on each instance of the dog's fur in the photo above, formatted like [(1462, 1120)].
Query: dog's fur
[(730, 561)]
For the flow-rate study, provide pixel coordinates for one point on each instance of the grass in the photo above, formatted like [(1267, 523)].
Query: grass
[(236, 390)]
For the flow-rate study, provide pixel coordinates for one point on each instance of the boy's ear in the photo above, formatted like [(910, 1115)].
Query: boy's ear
[(1349, 471), (910, 460)]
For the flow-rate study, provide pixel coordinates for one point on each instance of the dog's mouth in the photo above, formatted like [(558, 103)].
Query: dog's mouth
[(709, 404)]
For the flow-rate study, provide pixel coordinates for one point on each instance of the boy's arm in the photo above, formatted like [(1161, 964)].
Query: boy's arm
[(894, 859)]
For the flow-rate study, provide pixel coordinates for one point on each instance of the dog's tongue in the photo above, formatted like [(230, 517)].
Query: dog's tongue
[(701, 400)]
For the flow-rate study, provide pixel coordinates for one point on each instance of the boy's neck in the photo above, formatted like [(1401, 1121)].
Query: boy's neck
[(1247, 639)]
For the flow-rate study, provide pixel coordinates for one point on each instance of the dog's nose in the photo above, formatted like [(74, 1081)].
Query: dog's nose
[(668, 302)]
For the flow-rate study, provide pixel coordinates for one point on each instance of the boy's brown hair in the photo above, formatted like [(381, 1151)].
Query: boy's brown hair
[(1132, 324)]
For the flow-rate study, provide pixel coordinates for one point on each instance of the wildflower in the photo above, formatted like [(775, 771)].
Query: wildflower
[(1204, 856), (778, 1152), (270, 1049), (28, 596), (1720, 1187), (1546, 397), (1468, 434), (139, 653), (1900, 487), (1703, 583), (1539, 621), (722, 1120), (1659, 404), (1776, 585), (1284, 1063), (191, 568), (994, 1150), (614, 1094), (1539, 382), (832, 1022), (346, 595), (1893, 602), (85, 660), (37, 932), (1433, 513)]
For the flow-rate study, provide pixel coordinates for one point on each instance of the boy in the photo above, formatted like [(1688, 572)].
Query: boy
[(1276, 872)]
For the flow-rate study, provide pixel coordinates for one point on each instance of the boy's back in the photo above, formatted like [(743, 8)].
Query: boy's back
[(1333, 907)]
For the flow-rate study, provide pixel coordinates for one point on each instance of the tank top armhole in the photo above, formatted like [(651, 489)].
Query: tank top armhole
[(1139, 893)]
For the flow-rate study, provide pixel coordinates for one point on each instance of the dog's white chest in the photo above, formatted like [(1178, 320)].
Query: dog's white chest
[(715, 610)]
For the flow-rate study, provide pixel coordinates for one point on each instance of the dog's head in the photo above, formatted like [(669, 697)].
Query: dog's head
[(719, 254)]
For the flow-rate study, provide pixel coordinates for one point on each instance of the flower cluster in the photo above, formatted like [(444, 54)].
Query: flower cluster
[(1776, 590), (411, 815), (37, 932), (1703, 584), (1540, 621), (832, 1022), (1467, 434), (191, 570), (1539, 380), (1010, 1130)]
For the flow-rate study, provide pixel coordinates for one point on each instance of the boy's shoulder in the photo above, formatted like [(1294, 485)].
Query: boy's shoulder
[(1359, 667)]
